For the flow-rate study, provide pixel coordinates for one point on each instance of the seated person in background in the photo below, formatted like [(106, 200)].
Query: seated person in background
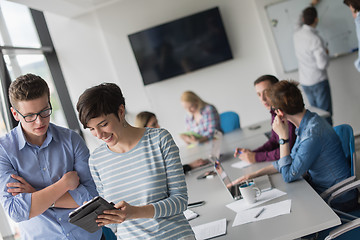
[(317, 150), (202, 118), (148, 119), (270, 150), (139, 169)]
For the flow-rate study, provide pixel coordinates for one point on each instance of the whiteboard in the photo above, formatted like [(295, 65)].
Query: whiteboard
[(336, 26)]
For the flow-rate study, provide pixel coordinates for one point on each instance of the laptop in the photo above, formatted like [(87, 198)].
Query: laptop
[(262, 182)]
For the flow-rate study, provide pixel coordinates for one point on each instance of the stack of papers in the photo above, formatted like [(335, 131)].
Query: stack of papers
[(210, 230), (268, 211), (246, 213)]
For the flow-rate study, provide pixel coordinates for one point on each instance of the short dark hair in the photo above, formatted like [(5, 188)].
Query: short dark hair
[(309, 15), (286, 96), (103, 99), (272, 79), (27, 87), (354, 3)]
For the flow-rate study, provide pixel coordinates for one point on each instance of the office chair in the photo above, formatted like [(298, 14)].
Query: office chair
[(345, 232), (349, 230), (229, 121), (346, 135)]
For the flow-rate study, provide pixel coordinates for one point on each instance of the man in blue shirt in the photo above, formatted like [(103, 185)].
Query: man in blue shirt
[(44, 171), (317, 151)]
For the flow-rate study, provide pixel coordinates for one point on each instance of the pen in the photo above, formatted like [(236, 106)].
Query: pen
[(259, 213)]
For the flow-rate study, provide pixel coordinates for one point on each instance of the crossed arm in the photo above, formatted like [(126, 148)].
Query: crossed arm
[(41, 200)]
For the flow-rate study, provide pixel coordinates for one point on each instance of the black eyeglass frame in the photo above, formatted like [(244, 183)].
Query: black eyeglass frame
[(37, 114)]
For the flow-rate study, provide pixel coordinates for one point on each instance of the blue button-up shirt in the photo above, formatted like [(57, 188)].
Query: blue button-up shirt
[(62, 151), (318, 151)]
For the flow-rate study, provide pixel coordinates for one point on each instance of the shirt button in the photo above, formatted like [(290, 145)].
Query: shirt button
[(59, 219), (67, 234), (293, 173), (44, 169)]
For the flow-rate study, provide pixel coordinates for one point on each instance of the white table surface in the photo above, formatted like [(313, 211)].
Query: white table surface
[(309, 213)]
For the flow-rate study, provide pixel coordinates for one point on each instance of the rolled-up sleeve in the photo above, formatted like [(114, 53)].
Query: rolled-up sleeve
[(17, 207), (293, 166), (269, 151), (320, 54)]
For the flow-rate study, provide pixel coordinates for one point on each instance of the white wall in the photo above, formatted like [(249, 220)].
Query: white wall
[(94, 48), (343, 77)]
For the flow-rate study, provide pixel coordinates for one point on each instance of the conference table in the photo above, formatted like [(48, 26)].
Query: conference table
[(309, 213)]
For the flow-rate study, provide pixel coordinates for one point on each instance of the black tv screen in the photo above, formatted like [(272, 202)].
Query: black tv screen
[(180, 46)]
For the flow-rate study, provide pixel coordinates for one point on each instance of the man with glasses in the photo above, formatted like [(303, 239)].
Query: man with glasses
[(44, 171)]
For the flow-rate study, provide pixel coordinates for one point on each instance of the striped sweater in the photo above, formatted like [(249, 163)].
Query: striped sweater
[(150, 173)]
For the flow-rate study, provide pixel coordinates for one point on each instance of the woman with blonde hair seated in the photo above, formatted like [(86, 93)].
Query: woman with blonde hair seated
[(202, 118)]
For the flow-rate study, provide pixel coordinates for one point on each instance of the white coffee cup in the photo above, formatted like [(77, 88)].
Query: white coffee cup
[(249, 192)]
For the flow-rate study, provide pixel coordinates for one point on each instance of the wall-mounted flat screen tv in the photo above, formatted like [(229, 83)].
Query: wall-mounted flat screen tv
[(181, 46)]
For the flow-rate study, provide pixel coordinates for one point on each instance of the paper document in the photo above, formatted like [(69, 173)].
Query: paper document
[(241, 205), (210, 230), (268, 211), (240, 164), (190, 214)]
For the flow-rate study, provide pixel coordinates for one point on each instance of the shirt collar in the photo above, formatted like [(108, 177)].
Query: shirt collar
[(303, 123), (22, 140), (308, 27), (21, 136)]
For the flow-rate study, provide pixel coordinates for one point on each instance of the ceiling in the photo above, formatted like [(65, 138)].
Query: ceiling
[(69, 8)]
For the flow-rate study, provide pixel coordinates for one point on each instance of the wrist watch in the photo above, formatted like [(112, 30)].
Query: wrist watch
[(283, 141)]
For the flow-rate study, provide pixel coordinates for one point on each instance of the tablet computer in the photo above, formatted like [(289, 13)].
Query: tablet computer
[(191, 133), (85, 215)]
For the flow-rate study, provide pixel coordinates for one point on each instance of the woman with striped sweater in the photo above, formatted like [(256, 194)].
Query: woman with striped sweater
[(139, 169)]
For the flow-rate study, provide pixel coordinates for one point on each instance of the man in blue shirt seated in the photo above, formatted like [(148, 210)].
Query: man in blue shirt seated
[(44, 171), (317, 151)]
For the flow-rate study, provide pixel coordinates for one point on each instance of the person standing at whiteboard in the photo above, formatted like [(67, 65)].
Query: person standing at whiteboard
[(354, 6), (313, 59)]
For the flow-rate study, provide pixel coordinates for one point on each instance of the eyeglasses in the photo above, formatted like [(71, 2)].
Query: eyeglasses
[(32, 117)]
